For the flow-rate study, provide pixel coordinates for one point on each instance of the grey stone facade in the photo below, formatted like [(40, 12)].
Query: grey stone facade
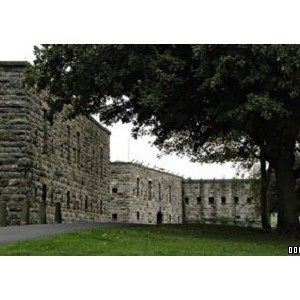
[(62, 173), (49, 173), (220, 201), (144, 195)]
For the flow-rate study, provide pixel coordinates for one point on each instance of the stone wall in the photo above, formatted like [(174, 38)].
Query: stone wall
[(220, 201), (47, 171), (139, 194)]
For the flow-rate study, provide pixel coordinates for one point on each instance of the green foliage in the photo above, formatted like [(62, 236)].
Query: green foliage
[(211, 102), (162, 240)]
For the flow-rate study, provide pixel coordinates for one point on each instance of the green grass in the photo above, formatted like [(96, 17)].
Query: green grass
[(163, 240)]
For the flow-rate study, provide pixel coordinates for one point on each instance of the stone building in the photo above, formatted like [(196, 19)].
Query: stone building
[(48, 173), (220, 201), (62, 173), (144, 195)]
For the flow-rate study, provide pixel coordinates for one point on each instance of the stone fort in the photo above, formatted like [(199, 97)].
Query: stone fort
[(62, 173)]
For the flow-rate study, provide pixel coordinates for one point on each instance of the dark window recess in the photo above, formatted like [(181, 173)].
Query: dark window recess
[(237, 217), (186, 200), (236, 200), (78, 148), (101, 207), (45, 132), (159, 191), (211, 200), (101, 162), (170, 193), (150, 190), (44, 192), (52, 197), (138, 215), (198, 200), (114, 190), (114, 216), (86, 203), (249, 200), (137, 186), (223, 200), (69, 143), (68, 199)]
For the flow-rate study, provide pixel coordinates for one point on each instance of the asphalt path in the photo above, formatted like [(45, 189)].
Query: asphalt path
[(13, 234)]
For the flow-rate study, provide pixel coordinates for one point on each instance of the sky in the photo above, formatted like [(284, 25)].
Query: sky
[(125, 148)]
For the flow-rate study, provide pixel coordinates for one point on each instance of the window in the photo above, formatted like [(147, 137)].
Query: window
[(69, 143), (101, 207), (211, 200), (101, 162), (78, 148), (138, 215), (150, 190), (159, 191), (44, 192), (236, 200), (137, 186), (68, 199), (186, 200), (114, 216), (86, 203), (114, 190), (223, 200), (170, 193), (45, 132), (198, 200), (249, 200)]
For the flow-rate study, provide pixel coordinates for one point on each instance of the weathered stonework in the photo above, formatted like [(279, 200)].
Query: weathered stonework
[(220, 201), (42, 165), (144, 195), (62, 173)]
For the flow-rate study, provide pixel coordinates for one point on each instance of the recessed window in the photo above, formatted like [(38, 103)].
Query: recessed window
[(150, 190), (211, 200), (186, 200), (236, 200), (114, 190), (44, 192), (115, 216), (68, 199), (249, 200), (237, 217), (86, 203), (223, 200), (170, 193), (138, 215), (198, 200), (137, 186)]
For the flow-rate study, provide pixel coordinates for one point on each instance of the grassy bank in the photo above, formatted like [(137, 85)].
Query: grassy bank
[(152, 240)]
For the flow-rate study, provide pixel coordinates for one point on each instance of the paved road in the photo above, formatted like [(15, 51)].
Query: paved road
[(12, 234)]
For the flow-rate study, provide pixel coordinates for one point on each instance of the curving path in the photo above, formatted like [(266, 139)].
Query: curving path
[(12, 234)]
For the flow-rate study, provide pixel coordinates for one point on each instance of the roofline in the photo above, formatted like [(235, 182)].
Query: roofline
[(144, 167), (98, 124), (14, 63)]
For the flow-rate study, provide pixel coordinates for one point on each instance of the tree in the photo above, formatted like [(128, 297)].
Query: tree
[(194, 98)]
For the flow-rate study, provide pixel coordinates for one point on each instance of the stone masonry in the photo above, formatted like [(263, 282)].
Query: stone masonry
[(58, 173), (144, 195), (220, 201), (62, 173)]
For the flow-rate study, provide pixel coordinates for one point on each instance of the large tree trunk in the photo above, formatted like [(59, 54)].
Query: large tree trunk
[(265, 215), (288, 221)]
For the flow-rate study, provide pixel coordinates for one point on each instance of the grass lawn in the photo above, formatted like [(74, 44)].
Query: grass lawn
[(163, 240)]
